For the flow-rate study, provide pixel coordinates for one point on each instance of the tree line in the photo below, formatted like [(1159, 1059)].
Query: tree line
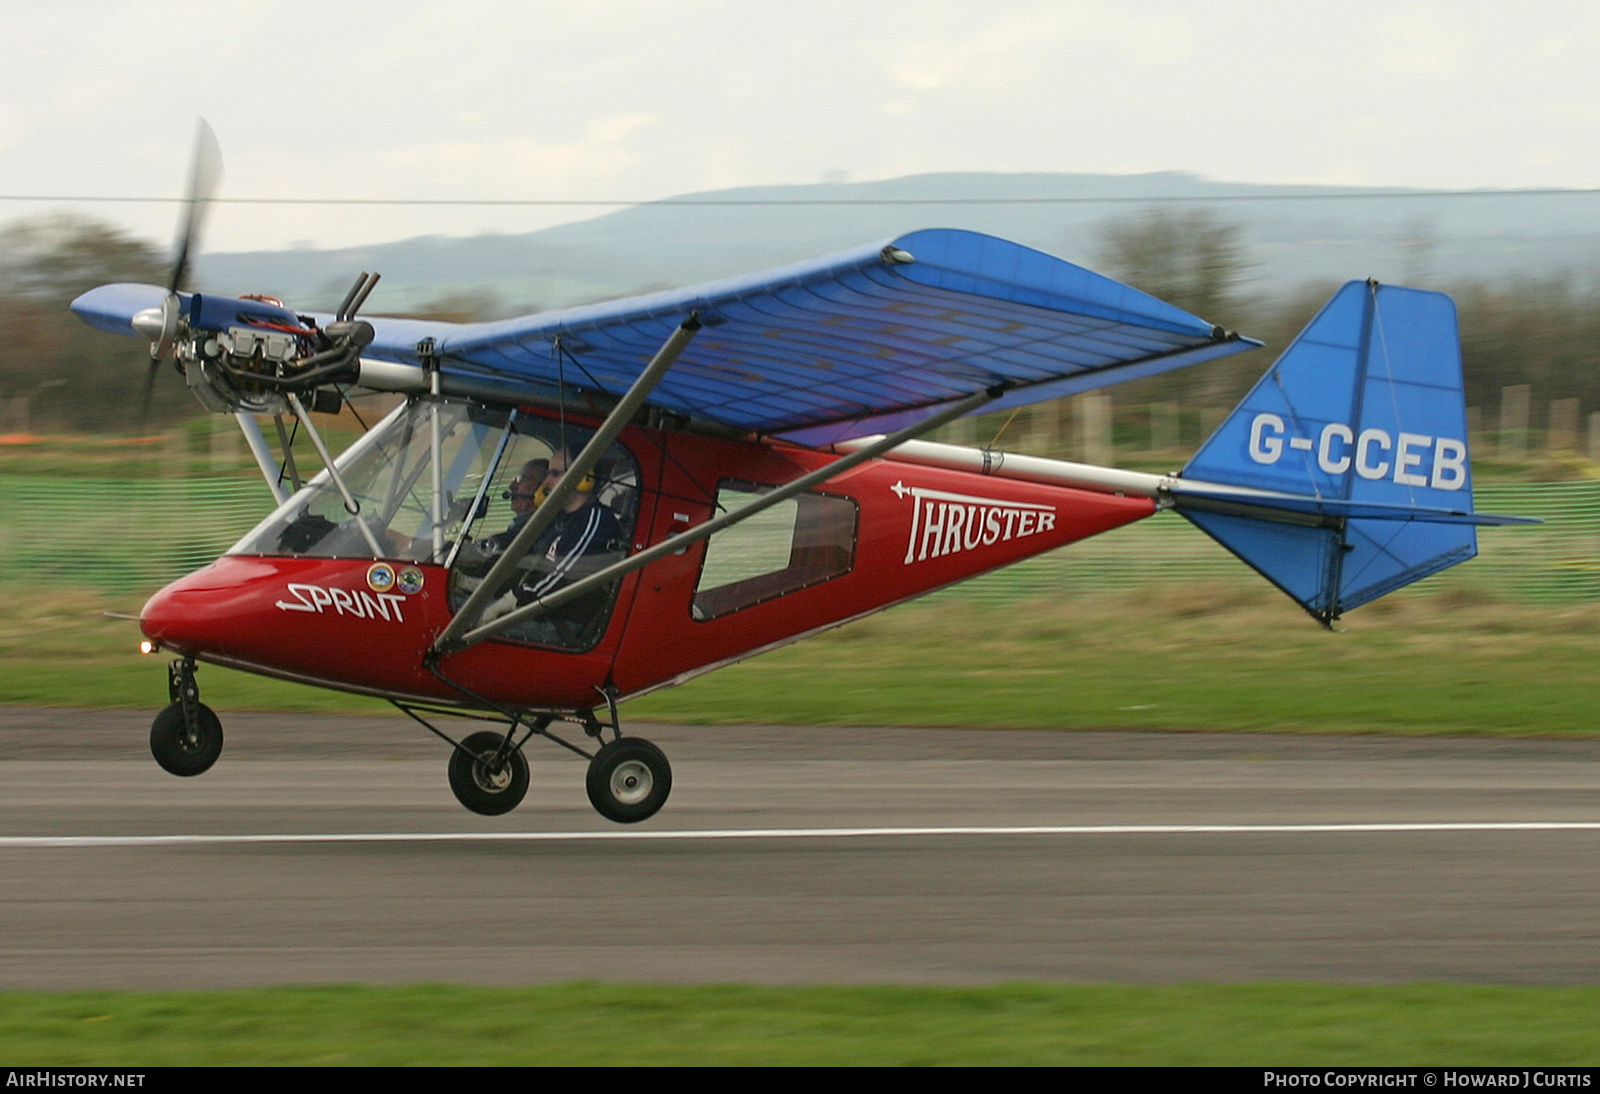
[(56, 373), (1543, 332)]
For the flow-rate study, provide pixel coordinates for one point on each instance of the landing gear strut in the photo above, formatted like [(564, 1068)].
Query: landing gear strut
[(186, 737), (628, 779)]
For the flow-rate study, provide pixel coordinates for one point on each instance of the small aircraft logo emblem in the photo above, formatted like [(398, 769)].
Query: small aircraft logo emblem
[(380, 577), (943, 523)]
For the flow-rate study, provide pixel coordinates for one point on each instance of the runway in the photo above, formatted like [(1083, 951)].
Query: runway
[(329, 849)]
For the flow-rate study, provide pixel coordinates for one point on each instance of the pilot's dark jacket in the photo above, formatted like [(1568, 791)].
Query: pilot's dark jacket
[(570, 547), (575, 546)]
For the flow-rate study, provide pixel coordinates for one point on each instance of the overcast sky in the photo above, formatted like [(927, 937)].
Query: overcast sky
[(641, 99)]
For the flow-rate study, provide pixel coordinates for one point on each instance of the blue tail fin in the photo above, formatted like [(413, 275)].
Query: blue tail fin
[(1344, 474)]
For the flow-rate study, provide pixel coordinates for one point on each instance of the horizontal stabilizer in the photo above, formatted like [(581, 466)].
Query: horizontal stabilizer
[(1329, 571), (1300, 509)]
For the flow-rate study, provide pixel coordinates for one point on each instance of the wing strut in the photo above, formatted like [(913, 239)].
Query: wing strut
[(352, 506), (680, 541), (288, 455), (500, 574)]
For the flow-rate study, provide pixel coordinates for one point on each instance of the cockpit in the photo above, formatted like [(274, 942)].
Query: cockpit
[(450, 484)]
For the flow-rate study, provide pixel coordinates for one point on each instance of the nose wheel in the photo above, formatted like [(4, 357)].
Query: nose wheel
[(629, 780), (186, 737), (184, 749)]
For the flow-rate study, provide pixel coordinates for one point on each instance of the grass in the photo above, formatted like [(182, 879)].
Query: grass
[(58, 648), (1220, 657), (1216, 657), (594, 1024)]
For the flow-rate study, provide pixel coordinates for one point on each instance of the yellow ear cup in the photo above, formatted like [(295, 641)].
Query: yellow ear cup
[(585, 486)]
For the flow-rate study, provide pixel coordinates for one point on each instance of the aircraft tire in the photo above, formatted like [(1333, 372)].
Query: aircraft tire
[(176, 751), (629, 780), (484, 792)]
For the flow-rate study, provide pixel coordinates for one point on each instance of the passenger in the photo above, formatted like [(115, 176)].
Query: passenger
[(585, 529), (584, 537)]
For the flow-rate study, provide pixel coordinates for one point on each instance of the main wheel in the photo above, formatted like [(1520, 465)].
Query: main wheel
[(482, 788), (179, 751), (629, 780)]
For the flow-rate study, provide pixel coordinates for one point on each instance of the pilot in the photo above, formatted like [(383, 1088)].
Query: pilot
[(526, 492)]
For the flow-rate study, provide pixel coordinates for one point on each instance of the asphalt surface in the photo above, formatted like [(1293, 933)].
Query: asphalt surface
[(783, 893)]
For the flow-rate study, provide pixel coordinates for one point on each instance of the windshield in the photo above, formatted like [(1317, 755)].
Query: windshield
[(389, 474)]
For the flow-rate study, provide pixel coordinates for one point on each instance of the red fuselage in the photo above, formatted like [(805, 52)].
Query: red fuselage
[(321, 620)]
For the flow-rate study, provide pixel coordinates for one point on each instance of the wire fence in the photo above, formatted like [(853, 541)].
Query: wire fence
[(133, 536), (1557, 562), (121, 536)]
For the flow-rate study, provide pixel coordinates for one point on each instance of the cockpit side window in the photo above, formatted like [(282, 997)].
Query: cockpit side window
[(797, 543)]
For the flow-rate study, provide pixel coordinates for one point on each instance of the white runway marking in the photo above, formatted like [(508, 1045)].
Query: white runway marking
[(797, 833)]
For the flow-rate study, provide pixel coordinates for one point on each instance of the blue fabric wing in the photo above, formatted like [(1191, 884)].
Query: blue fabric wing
[(854, 343), (859, 342)]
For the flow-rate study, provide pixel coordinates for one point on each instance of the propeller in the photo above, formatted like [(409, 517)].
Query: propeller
[(160, 326), (250, 353)]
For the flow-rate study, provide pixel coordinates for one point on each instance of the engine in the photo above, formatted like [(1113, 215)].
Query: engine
[(249, 353)]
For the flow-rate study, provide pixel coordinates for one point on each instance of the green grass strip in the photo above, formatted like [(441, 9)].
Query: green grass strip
[(1225, 657), (596, 1024)]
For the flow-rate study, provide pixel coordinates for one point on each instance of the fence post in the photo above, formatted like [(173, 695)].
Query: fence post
[(1094, 427), (1163, 427), (1562, 436), (1514, 421)]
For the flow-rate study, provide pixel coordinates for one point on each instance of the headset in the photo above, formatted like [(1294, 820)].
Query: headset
[(586, 485)]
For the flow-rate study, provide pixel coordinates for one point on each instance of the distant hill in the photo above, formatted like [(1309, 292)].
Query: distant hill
[(1342, 233)]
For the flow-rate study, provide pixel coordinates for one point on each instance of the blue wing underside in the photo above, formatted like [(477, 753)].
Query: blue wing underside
[(859, 342)]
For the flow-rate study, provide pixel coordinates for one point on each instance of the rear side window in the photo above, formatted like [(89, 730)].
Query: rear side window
[(799, 542)]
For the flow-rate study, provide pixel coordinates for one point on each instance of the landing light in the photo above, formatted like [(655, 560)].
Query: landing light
[(148, 646)]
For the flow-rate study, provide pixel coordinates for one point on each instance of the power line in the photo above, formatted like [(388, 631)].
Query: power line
[(1120, 199)]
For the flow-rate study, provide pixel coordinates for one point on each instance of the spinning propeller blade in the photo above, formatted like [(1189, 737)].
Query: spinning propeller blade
[(205, 172)]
